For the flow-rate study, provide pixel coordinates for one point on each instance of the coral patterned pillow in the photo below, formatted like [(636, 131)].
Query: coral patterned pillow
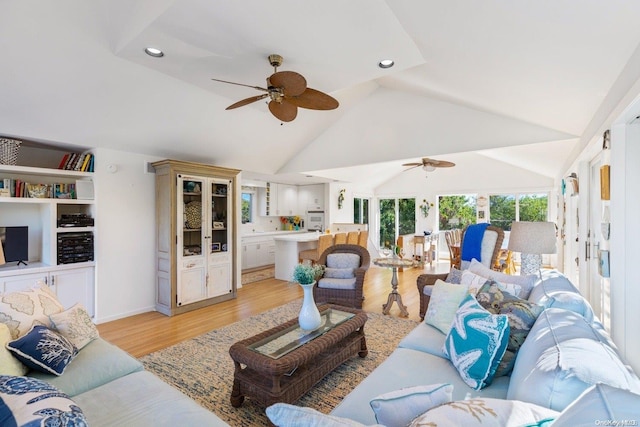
[(75, 325), (20, 311), (485, 412)]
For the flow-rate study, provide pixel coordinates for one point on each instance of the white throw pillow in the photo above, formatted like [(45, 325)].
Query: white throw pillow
[(286, 415), (485, 412), (445, 299), (398, 408)]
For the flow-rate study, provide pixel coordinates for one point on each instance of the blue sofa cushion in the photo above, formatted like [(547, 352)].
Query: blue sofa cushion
[(26, 401), (600, 402), (96, 364), (476, 343), (44, 350), (563, 355), (522, 315)]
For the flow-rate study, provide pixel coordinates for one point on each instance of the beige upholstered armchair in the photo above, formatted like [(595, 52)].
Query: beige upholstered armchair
[(343, 279), (489, 252)]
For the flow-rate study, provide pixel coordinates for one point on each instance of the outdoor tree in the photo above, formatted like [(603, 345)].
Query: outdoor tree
[(456, 211)]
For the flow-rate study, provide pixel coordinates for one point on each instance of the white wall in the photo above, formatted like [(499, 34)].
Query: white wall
[(625, 235), (125, 239)]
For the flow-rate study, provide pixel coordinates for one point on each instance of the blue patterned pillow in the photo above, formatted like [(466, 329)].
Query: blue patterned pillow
[(26, 401), (43, 350), (476, 342), (522, 315)]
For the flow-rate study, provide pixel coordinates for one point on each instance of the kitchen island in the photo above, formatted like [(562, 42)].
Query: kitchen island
[(288, 246)]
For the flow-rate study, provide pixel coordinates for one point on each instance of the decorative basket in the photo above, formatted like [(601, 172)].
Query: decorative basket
[(9, 151)]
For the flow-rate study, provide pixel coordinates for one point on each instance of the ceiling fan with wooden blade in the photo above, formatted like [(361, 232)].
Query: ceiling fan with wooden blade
[(430, 164), (287, 91)]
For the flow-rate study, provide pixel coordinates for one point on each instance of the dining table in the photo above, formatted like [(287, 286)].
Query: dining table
[(394, 262)]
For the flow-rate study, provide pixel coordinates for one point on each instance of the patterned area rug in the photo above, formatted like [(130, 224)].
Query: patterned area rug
[(254, 276), (202, 368)]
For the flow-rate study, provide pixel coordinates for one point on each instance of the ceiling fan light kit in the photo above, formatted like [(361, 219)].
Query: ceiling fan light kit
[(287, 91)]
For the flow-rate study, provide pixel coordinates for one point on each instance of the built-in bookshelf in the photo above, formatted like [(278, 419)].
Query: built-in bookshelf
[(39, 198)]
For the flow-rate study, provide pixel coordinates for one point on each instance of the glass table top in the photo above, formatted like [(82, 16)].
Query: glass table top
[(287, 340)]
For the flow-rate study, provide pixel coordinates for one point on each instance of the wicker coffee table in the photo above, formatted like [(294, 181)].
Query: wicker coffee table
[(283, 363)]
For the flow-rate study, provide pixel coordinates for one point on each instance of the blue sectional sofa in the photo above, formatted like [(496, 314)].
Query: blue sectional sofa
[(567, 365)]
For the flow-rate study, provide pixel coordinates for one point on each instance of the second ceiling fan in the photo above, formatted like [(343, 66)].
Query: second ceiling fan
[(287, 91), (429, 165)]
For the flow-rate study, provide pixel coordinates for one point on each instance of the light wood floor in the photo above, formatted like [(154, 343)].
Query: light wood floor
[(148, 332)]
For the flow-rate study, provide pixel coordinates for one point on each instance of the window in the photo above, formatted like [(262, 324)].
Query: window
[(456, 211), (502, 211), (247, 206), (506, 208), (397, 217), (360, 211)]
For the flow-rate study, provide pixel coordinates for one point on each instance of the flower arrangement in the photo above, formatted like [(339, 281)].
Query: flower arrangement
[(341, 198), (306, 274), (424, 207)]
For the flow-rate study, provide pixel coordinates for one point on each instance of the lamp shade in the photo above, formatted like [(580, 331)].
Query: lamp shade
[(532, 237)]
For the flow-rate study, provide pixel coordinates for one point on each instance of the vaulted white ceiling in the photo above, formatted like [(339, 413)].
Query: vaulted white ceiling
[(518, 81)]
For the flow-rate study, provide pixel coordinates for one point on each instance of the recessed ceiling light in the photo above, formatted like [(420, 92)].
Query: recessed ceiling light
[(152, 51), (386, 63)]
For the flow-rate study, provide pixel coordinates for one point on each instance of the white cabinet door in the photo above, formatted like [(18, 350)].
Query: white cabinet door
[(21, 282), (74, 286), (311, 197), (192, 282), (219, 282), (287, 199)]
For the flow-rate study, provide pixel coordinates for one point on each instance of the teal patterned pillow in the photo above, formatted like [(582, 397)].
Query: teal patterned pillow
[(522, 315), (476, 342)]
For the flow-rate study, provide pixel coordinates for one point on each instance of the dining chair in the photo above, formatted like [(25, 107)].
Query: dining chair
[(363, 238), (341, 239), (324, 241), (352, 238)]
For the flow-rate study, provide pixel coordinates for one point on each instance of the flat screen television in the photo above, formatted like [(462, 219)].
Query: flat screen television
[(15, 243)]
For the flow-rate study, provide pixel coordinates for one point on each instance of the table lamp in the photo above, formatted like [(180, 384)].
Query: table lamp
[(532, 239)]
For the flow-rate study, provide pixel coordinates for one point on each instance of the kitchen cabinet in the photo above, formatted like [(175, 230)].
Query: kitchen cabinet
[(311, 198), (196, 235), (258, 252), (278, 200), (287, 199)]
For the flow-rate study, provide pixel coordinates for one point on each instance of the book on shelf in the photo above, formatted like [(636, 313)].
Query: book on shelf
[(81, 162)]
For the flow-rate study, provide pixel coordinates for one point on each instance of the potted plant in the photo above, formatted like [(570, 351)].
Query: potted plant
[(306, 276)]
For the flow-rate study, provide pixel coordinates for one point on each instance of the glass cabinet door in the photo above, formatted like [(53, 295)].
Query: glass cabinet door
[(220, 210), (191, 210)]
